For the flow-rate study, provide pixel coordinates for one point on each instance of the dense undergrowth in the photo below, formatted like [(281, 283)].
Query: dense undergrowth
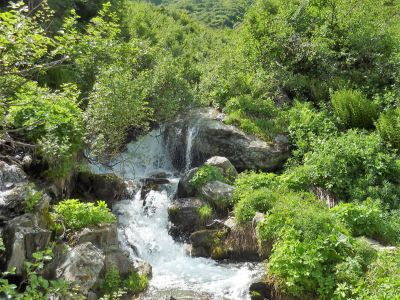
[(324, 73)]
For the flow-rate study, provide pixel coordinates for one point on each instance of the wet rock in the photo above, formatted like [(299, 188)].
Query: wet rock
[(132, 187), (184, 216), (208, 243), (102, 236), (218, 194), (83, 266), (227, 168), (184, 188), (107, 187), (212, 137), (152, 184), (13, 191), (118, 258), (22, 238), (260, 291)]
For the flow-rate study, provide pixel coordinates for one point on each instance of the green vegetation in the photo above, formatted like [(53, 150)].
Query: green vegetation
[(37, 287), (32, 198), (214, 13), (352, 109), (205, 174), (205, 212), (93, 74), (75, 215)]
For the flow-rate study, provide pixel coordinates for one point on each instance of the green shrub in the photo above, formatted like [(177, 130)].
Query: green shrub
[(353, 109), (32, 198), (369, 219), (205, 213), (260, 200), (353, 166), (136, 283), (388, 126), (382, 281), (76, 215), (112, 281), (51, 120), (306, 127), (205, 174)]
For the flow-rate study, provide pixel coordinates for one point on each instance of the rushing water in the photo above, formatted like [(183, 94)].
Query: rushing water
[(143, 230)]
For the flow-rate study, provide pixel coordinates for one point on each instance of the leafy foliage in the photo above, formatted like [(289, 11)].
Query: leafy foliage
[(369, 219), (76, 215), (353, 110), (32, 198), (205, 212), (388, 126), (37, 287), (205, 174)]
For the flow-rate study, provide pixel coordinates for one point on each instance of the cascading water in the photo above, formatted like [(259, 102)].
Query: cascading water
[(143, 230)]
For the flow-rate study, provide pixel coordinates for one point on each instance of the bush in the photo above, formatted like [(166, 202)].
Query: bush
[(382, 281), (388, 126), (353, 109), (260, 200), (306, 127), (51, 120), (76, 215), (369, 219), (205, 174), (353, 166)]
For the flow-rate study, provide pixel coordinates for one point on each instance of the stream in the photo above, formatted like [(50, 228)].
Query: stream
[(143, 231)]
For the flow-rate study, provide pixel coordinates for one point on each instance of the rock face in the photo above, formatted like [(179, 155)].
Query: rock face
[(102, 236), (22, 238), (206, 135), (107, 187), (184, 216), (184, 189), (13, 191), (82, 265), (217, 193)]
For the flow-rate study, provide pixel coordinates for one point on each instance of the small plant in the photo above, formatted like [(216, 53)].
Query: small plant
[(76, 215), (205, 213), (112, 281), (136, 283), (388, 126), (37, 287), (205, 174), (33, 197), (353, 109)]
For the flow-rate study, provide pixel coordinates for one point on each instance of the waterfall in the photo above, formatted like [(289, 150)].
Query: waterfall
[(143, 231)]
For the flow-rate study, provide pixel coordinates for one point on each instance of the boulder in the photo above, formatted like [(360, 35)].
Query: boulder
[(227, 168), (22, 238), (13, 191), (102, 236), (203, 134), (82, 266), (184, 188), (184, 216), (118, 258), (218, 194), (208, 243), (107, 187)]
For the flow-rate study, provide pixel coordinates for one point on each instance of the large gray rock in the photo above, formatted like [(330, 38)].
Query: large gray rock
[(107, 187), (22, 238), (102, 236), (184, 188), (13, 191), (184, 216), (218, 194), (82, 266), (205, 134)]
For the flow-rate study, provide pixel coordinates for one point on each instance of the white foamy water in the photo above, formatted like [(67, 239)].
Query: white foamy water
[(143, 230)]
